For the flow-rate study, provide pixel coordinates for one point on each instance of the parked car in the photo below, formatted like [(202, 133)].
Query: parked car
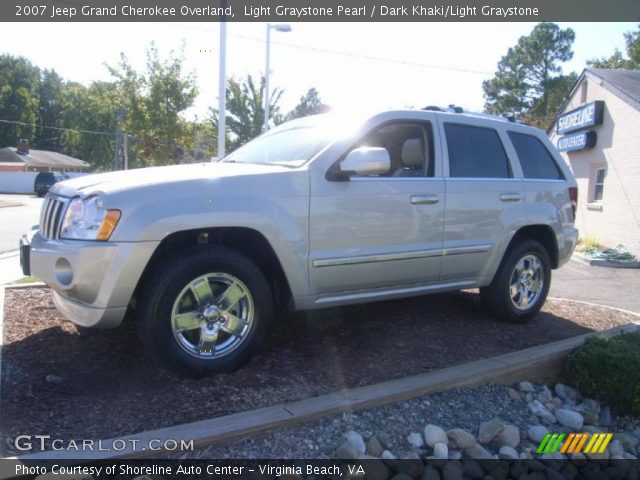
[(318, 212), (45, 180)]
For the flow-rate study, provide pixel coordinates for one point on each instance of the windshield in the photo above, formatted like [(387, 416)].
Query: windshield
[(291, 147)]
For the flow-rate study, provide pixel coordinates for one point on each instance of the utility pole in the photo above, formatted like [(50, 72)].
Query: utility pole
[(126, 151), (116, 153)]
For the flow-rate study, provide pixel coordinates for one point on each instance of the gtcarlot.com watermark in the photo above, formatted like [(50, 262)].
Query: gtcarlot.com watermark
[(30, 443)]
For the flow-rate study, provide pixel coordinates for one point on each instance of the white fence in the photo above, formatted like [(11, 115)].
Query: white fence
[(22, 182)]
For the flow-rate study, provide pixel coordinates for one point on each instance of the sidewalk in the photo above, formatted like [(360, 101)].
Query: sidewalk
[(10, 267), (616, 287)]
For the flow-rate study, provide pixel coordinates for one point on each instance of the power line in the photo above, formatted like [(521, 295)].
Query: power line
[(14, 122), (342, 53)]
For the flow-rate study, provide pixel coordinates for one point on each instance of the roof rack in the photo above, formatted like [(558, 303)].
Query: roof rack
[(505, 117)]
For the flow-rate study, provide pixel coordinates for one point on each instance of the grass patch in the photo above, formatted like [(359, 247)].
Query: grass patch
[(24, 280), (589, 244)]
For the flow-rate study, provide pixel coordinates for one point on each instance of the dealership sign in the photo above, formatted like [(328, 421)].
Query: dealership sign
[(577, 141), (580, 118)]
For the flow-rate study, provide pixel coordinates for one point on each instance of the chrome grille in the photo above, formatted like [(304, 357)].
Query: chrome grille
[(51, 216)]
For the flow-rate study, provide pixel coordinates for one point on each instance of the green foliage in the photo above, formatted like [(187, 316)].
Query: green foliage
[(589, 244), (617, 60), (19, 81), (609, 370), (310, 104), (245, 110), (528, 82)]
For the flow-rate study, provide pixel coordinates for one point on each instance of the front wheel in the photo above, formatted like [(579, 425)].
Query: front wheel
[(520, 287), (205, 312)]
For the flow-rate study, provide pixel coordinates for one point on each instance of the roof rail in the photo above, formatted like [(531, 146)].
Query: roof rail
[(505, 117)]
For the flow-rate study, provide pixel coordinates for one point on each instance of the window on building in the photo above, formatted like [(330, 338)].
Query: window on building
[(535, 159), (583, 91), (598, 184), (475, 152)]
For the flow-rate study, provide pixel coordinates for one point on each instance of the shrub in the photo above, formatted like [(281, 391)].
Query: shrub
[(609, 369), (588, 245)]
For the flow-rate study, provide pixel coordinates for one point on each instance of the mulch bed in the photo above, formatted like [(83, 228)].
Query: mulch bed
[(111, 388)]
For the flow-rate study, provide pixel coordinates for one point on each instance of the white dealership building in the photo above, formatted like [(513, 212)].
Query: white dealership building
[(598, 133)]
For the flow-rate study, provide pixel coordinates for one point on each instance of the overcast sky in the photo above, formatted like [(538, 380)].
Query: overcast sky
[(352, 65)]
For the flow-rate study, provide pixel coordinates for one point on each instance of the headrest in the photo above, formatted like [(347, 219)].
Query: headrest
[(412, 153)]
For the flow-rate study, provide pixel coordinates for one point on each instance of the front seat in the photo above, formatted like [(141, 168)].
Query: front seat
[(412, 156)]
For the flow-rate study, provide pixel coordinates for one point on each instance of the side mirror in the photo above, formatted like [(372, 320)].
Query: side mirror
[(366, 161)]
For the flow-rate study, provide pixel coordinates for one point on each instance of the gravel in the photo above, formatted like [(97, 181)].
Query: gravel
[(76, 383)]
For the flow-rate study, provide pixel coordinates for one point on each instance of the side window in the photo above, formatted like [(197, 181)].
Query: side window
[(410, 147), (535, 159), (475, 152)]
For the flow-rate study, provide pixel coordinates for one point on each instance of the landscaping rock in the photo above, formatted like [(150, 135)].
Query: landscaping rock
[(376, 469), (526, 387), (412, 465), (545, 395), (472, 469), (440, 450), (356, 439), (570, 419), (628, 440), (347, 451), (452, 471), (401, 476), (415, 439), (478, 452), (605, 417), (455, 455), (459, 438), (54, 379), (508, 453), (541, 411), (374, 447), (509, 436), (565, 392), (387, 455), (488, 430), (434, 434), (514, 395), (430, 473), (537, 433)]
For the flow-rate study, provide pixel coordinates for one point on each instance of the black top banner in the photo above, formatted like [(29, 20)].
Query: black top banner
[(319, 10)]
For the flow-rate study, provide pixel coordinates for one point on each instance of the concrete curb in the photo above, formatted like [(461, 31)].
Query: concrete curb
[(591, 304), (537, 363), (596, 262)]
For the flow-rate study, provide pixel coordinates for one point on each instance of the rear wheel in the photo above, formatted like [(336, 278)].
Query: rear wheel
[(520, 287), (205, 312)]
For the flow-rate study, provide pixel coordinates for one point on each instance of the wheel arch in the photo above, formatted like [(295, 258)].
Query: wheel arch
[(542, 234), (246, 241)]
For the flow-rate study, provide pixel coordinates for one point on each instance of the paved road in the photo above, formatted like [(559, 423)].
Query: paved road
[(617, 287), (15, 220)]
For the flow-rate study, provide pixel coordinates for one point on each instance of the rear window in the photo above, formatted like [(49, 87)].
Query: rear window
[(535, 159), (475, 152)]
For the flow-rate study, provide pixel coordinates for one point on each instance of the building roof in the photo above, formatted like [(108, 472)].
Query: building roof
[(41, 158), (625, 81)]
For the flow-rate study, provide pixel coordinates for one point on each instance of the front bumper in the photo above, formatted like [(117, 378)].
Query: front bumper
[(93, 282)]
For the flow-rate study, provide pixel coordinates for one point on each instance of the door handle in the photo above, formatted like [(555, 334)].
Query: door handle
[(424, 199), (510, 197)]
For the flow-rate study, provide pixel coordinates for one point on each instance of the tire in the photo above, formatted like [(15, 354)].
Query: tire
[(522, 302), (204, 312)]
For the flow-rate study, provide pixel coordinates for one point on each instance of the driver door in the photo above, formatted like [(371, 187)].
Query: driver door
[(380, 231)]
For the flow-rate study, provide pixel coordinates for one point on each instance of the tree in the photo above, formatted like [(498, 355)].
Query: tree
[(49, 111), (19, 81), (528, 82), (245, 110), (617, 60), (310, 104), (150, 106)]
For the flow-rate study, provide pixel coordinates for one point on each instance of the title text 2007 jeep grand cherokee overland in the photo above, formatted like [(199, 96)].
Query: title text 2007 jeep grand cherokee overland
[(318, 212)]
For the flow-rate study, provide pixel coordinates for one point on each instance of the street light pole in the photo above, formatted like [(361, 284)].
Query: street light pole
[(222, 89), (283, 27), (266, 81)]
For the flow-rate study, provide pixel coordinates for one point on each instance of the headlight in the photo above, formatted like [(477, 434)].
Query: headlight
[(87, 219)]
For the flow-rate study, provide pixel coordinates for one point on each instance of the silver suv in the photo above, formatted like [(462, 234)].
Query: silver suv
[(318, 212)]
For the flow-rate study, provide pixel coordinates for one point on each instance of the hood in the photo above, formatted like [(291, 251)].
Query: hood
[(141, 177)]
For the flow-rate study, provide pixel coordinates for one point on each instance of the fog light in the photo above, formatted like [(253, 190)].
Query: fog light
[(63, 271)]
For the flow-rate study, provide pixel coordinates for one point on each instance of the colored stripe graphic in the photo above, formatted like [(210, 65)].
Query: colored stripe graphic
[(550, 443), (574, 443)]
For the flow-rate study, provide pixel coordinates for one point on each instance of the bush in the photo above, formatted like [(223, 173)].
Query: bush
[(609, 370), (588, 245)]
